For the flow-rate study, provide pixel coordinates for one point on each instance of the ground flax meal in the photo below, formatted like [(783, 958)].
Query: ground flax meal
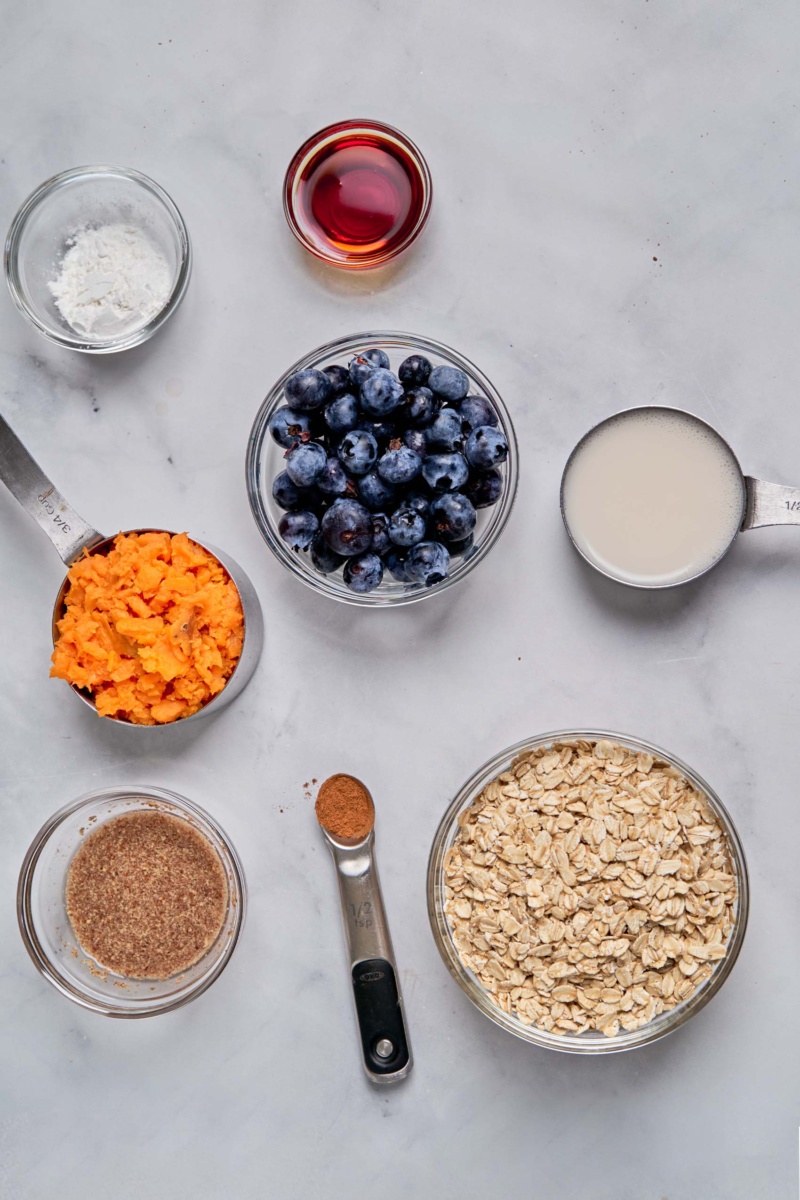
[(344, 807), (146, 895)]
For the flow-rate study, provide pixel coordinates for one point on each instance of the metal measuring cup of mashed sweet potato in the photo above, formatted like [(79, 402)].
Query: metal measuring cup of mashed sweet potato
[(75, 539)]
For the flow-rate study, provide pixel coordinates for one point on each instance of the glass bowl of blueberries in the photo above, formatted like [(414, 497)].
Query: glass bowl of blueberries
[(382, 468)]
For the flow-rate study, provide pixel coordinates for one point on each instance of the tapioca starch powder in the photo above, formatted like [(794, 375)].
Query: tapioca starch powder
[(112, 278)]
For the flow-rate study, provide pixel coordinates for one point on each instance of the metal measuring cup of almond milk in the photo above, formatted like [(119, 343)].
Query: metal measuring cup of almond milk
[(654, 496), (72, 535)]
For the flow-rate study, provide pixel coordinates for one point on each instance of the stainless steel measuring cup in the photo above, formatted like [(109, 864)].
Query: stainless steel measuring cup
[(71, 535), (762, 503)]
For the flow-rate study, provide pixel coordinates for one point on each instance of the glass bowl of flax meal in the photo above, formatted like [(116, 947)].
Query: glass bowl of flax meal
[(587, 891), (131, 900)]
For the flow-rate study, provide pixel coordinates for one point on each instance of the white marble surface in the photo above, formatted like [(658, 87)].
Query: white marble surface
[(615, 222)]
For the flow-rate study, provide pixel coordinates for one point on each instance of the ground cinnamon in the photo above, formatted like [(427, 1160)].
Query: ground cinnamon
[(344, 807)]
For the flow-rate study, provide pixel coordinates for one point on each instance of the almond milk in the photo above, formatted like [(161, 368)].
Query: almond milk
[(653, 497)]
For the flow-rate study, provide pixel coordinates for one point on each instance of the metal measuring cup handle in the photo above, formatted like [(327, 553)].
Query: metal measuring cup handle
[(27, 482), (770, 504)]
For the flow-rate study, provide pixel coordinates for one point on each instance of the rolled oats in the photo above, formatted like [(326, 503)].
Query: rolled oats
[(589, 888)]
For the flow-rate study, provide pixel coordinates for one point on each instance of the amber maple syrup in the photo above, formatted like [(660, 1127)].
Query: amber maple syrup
[(358, 198)]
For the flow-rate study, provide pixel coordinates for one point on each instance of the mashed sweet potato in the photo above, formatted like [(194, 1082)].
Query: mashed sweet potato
[(153, 629)]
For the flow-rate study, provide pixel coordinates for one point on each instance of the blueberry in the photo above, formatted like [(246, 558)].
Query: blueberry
[(360, 367), (396, 565), (333, 481), (421, 407), (341, 414), (363, 364), (323, 558), (399, 465), (358, 451), (465, 547), (406, 527), (449, 382), (445, 432), (484, 490), (307, 390), (416, 440), (287, 426), (339, 378), (298, 529), (364, 573), (381, 392), (313, 500), (347, 527), (428, 563), (414, 370), (445, 472), (381, 542), (285, 493), (383, 432), (375, 493), (417, 502), (474, 412), (486, 447), (305, 463), (452, 517)]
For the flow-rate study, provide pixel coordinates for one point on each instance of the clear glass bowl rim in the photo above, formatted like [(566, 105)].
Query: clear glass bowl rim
[(11, 259), (304, 155), (260, 435), (571, 1043), (43, 962)]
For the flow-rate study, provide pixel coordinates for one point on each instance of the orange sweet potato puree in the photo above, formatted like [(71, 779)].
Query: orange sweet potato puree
[(153, 629)]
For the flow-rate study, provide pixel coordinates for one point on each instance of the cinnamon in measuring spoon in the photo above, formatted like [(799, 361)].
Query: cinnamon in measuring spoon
[(344, 808)]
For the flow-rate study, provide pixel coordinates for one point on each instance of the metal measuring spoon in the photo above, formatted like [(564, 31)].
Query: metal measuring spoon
[(759, 503), (376, 990), (71, 536)]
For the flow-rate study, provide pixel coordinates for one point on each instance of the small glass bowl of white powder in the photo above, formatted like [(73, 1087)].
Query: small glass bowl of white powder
[(98, 258)]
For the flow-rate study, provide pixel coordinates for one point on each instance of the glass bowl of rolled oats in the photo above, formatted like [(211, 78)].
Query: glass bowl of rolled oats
[(588, 891)]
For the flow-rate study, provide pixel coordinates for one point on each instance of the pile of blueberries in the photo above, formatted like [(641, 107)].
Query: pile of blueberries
[(384, 471)]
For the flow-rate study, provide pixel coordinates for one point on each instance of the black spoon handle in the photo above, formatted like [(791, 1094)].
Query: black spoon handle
[(381, 1024)]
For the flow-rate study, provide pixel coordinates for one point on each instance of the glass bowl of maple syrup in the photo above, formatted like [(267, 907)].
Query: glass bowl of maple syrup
[(357, 194)]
